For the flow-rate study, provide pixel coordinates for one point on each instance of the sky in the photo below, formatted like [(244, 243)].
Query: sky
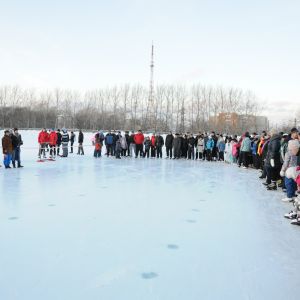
[(253, 45)]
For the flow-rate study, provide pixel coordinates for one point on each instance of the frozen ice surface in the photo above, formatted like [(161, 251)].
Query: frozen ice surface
[(85, 228)]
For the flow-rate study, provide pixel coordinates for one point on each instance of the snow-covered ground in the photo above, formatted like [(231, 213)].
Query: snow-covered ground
[(85, 228)]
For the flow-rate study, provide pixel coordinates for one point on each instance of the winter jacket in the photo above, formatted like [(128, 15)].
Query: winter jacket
[(139, 138), (210, 144), (7, 146), (246, 145), (159, 141), (289, 161), (254, 148), (80, 137), (127, 138), (200, 145), (177, 143), (16, 141), (274, 151), (65, 138), (52, 138), (123, 142), (43, 137), (221, 146), (147, 144), (283, 150), (72, 137), (59, 136), (169, 140), (191, 142), (109, 139), (153, 141), (131, 139)]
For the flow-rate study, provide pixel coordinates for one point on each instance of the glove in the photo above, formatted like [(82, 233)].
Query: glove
[(282, 173), (272, 162)]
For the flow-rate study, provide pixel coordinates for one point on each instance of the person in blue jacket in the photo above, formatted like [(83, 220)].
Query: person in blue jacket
[(210, 144), (109, 141), (221, 148)]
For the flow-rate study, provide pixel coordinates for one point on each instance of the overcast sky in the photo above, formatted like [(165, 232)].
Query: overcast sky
[(88, 44)]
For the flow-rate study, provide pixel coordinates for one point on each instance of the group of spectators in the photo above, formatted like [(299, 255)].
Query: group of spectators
[(277, 155)]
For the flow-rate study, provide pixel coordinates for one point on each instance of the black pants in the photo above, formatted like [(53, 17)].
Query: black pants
[(147, 153), (169, 151), (208, 154), (159, 152), (191, 153), (52, 150), (139, 149), (109, 150), (72, 143), (153, 154), (123, 152), (204, 156), (221, 155), (97, 153), (58, 148), (80, 149), (177, 152), (245, 158), (199, 155)]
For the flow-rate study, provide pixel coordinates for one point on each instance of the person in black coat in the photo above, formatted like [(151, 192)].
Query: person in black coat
[(80, 142), (58, 142), (191, 146), (127, 136), (72, 140), (159, 142), (184, 146), (272, 161), (169, 144), (17, 142), (177, 146)]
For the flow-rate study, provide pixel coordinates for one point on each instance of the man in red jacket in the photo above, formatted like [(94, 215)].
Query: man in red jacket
[(139, 141), (43, 139), (52, 143)]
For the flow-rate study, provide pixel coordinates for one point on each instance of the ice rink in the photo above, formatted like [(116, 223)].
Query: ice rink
[(85, 228)]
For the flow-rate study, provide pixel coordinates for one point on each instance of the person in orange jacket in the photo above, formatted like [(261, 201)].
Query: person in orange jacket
[(43, 140), (52, 143)]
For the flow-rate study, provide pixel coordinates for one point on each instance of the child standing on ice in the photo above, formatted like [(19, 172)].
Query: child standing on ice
[(98, 146)]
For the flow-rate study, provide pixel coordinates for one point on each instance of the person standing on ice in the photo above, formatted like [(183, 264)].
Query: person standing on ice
[(177, 146), (127, 136), (291, 159), (200, 147), (64, 142), (147, 144), (16, 142), (98, 146), (191, 146), (209, 147), (245, 150), (43, 139), (118, 148), (169, 144), (221, 148), (58, 142), (139, 141), (72, 140), (159, 143), (124, 145), (132, 149), (273, 165), (52, 143), (109, 140), (7, 149), (153, 146), (80, 143)]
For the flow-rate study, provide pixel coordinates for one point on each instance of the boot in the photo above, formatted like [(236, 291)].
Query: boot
[(272, 186), (14, 164)]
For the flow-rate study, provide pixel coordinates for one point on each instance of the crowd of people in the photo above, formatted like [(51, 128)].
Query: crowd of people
[(276, 155)]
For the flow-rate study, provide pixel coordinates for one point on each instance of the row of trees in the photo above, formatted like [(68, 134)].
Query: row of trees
[(177, 108)]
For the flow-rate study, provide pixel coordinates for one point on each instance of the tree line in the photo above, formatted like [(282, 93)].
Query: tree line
[(174, 107)]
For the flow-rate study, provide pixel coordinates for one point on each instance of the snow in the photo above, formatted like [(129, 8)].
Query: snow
[(86, 228)]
